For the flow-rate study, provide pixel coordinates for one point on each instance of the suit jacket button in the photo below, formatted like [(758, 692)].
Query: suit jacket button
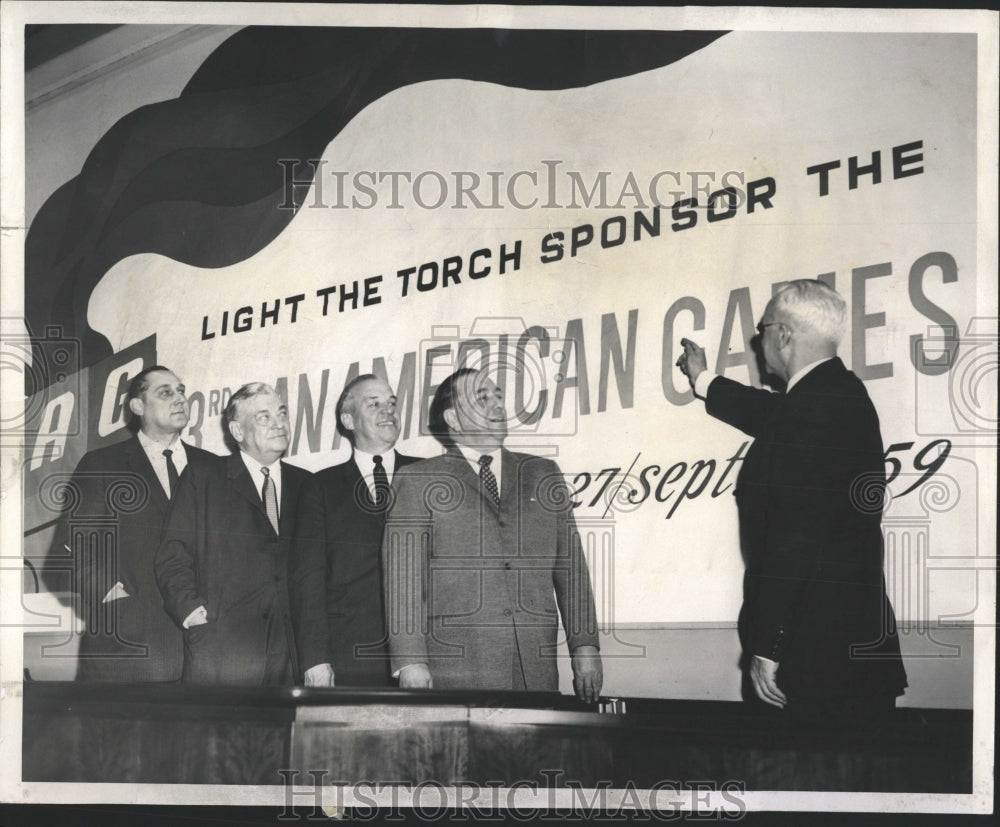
[(506, 565), (506, 612)]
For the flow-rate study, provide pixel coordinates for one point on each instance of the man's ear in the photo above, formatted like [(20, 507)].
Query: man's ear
[(451, 419), (136, 406), (236, 432), (784, 336), (347, 420)]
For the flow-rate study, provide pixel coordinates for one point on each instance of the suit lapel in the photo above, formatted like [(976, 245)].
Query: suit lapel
[(239, 477), (469, 478), (355, 486), (140, 464), (401, 460), (290, 480), (508, 480)]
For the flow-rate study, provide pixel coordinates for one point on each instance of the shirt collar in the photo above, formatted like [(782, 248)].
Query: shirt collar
[(253, 466), (366, 461), (794, 380), (473, 455), (151, 446)]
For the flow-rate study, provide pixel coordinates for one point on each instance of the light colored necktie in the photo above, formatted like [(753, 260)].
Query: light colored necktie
[(270, 497), (488, 479)]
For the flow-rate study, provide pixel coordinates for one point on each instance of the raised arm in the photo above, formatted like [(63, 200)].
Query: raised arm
[(738, 405)]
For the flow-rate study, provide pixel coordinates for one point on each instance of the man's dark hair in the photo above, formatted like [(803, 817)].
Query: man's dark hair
[(345, 396), (136, 388), (140, 382), (444, 399)]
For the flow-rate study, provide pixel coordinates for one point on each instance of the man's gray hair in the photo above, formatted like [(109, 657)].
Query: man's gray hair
[(248, 391), (813, 308)]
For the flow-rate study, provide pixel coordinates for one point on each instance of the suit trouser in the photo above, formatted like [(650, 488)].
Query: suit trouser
[(222, 652), (869, 708), (838, 711)]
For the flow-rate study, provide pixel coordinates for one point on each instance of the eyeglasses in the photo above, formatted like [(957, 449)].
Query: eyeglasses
[(762, 326)]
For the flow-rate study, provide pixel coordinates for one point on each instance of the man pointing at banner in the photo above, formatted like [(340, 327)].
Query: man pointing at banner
[(818, 632), (480, 549)]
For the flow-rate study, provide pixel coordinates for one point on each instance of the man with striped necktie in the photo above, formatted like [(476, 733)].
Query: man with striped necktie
[(222, 565)]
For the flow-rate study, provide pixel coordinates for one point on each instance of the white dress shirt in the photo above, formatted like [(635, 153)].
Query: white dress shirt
[(253, 466), (154, 450), (366, 465)]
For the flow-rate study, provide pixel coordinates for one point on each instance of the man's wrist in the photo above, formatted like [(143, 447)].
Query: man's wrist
[(701, 382), (197, 617), (403, 668)]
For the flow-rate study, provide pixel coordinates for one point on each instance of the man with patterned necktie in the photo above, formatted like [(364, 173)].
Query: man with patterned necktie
[(480, 549), (335, 577), (128, 636), (222, 564)]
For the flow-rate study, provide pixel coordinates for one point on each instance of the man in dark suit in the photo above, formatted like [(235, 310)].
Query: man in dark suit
[(127, 486), (817, 628), (479, 550), (222, 565), (335, 578)]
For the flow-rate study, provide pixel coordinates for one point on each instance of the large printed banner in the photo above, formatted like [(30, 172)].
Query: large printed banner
[(561, 204), (489, 222)]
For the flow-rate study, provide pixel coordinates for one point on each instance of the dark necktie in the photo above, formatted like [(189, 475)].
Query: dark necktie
[(381, 483), (171, 472), (270, 497), (488, 479)]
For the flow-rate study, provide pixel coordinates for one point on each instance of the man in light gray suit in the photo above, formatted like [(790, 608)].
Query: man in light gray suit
[(479, 549)]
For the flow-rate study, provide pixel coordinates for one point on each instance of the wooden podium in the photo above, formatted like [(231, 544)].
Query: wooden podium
[(171, 734)]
